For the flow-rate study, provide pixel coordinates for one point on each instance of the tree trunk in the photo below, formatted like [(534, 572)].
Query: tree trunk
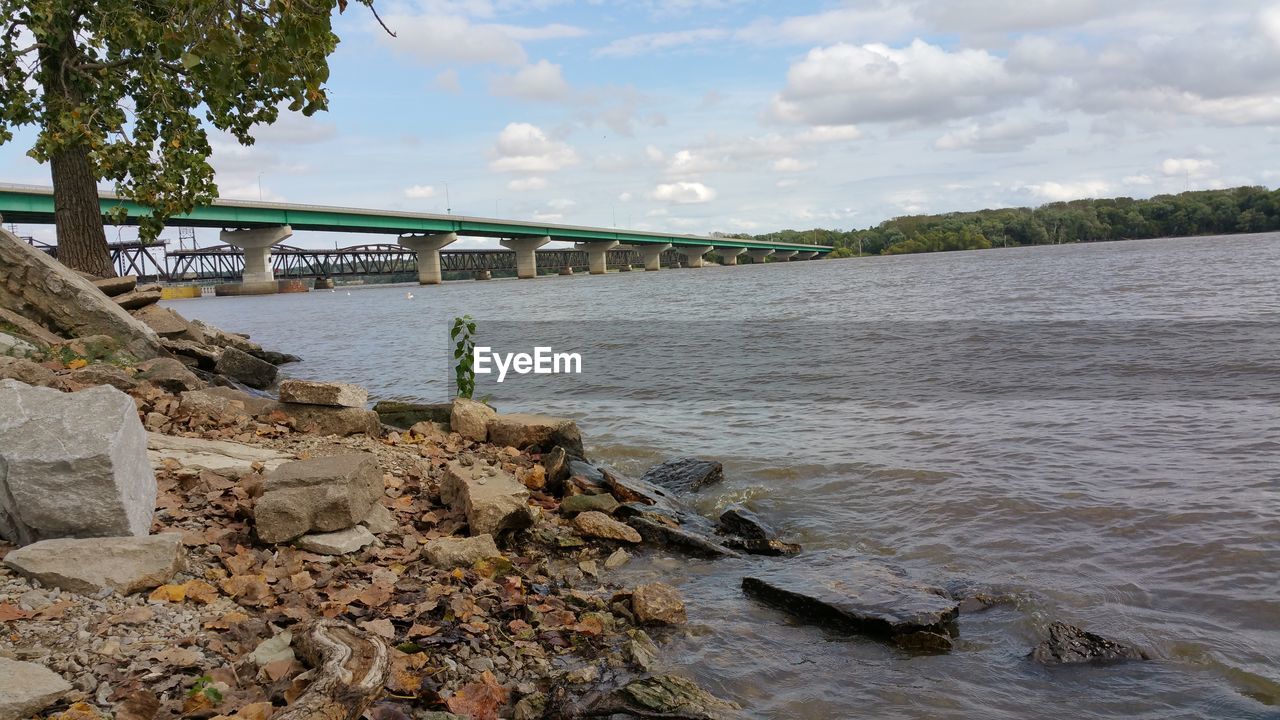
[(82, 241), (350, 665)]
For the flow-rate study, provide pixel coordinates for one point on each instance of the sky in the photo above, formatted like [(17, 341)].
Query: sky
[(699, 116)]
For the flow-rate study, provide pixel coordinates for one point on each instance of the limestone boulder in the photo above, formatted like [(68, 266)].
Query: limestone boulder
[(16, 347), (380, 520), (535, 432), (245, 368), (255, 404), (206, 357), (321, 420), (322, 494), (491, 498), (121, 564), (407, 414), (208, 404), (659, 604), (163, 320), (596, 524), (341, 542), (72, 464), (226, 458), (223, 339), (27, 688), (111, 287), (139, 297), (169, 375), (27, 327), (26, 371), (307, 392), (36, 286), (451, 552), (104, 374), (470, 419)]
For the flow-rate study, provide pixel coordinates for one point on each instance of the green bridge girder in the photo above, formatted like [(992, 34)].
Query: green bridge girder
[(34, 205)]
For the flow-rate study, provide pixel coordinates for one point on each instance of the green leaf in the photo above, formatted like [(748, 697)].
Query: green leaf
[(190, 60)]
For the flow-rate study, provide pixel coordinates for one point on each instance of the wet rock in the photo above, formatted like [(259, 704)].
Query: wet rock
[(470, 419), (658, 604), (451, 552), (321, 420), (596, 524), (406, 414), (661, 696), (111, 287), (380, 521), (306, 392), (230, 459), (322, 494), (641, 650), (205, 356), (575, 504), (27, 688), (1068, 645), (536, 432), (491, 498), (340, 542), (169, 375), (26, 371), (530, 707), (104, 374), (861, 596), (163, 320), (121, 564), (975, 598), (139, 297), (617, 559), (275, 358), (556, 465), (660, 530), (748, 532), (72, 464), (584, 469), (685, 475), (245, 368)]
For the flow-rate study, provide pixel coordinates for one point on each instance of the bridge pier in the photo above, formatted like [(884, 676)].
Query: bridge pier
[(428, 248), (694, 253), (526, 257), (758, 255), (256, 244), (807, 255), (597, 255), (784, 255), (729, 256), (653, 255)]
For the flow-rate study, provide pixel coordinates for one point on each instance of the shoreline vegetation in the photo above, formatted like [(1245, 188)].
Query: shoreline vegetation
[(1200, 212)]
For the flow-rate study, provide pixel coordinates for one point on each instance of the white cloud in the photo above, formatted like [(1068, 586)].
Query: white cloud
[(829, 133), (522, 147), (420, 192), (1269, 19), (654, 42), (442, 37), (624, 197), (792, 165), (527, 184), (540, 81), (684, 193), (1186, 166), (688, 162), (560, 204), (999, 136), (1058, 192), (1137, 180)]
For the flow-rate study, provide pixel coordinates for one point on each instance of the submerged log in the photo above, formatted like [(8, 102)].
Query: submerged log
[(351, 667)]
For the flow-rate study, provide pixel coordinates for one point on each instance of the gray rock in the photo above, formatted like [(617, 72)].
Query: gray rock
[(230, 459), (470, 419), (26, 371), (112, 287), (210, 404), (322, 420), (535, 432), (139, 298), (380, 520), (245, 368), (220, 338), (104, 374), (276, 648), (406, 414), (31, 330), (169, 375), (205, 356), (685, 475), (575, 504), (556, 464), (166, 322), (451, 552), (861, 596), (45, 291), (322, 494), (72, 464), (341, 542), (660, 696), (747, 532), (306, 392), (255, 404), (27, 688), (16, 346), (491, 498), (662, 519), (1069, 645), (92, 565), (617, 559)]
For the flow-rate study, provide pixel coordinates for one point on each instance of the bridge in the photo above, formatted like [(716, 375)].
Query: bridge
[(255, 228)]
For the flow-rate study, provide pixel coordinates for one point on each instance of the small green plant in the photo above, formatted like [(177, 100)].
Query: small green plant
[(464, 372), (204, 686)]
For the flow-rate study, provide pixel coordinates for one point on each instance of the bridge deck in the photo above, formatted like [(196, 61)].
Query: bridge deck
[(26, 204)]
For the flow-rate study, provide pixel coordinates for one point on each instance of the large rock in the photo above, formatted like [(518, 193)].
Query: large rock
[(1068, 645), (596, 524), (25, 371), (92, 565), (574, 504), (163, 320), (341, 542), (306, 392), (451, 552), (140, 297), (662, 519), (16, 346), (72, 464), (104, 374), (206, 357), (685, 475), (536, 432), (658, 604), (27, 688), (322, 494), (407, 414), (862, 596), (746, 531), (27, 327), (209, 404), (470, 419), (661, 696), (169, 375), (323, 420), (40, 288), (255, 404), (112, 287), (491, 498), (223, 339), (230, 459), (245, 368)]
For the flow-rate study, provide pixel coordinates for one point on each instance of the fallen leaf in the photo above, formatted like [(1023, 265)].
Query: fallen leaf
[(10, 612), (79, 711), (138, 705), (255, 711), (381, 628), (479, 700), (201, 592), (169, 593)]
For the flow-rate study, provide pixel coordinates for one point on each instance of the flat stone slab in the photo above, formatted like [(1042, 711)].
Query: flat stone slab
[(230, 459), (121, 564), (307, 392), (860, 595), (27, 688), (341, 542), (594, 523)]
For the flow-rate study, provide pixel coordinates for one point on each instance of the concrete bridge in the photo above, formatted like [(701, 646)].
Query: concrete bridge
[(256, 227)]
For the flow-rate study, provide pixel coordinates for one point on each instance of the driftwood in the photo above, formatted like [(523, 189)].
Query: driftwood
[(350, 669)]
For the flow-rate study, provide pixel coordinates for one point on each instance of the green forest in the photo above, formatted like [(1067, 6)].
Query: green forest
[(1206, 212)]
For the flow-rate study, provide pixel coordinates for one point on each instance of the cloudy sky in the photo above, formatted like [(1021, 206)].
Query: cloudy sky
[(726, 115)]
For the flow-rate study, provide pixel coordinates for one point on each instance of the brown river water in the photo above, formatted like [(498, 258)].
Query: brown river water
[(1092, 429)]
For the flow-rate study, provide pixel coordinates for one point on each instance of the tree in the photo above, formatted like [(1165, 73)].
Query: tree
[(124, 90)]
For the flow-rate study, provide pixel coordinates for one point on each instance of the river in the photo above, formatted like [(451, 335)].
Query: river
[(938, 411)]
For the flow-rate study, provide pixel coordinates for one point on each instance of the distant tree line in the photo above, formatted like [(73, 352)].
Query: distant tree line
[(1207, 212)]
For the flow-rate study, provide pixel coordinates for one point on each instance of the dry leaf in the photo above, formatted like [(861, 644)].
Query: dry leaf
[(479, 700), (169, 593), (381, 628)]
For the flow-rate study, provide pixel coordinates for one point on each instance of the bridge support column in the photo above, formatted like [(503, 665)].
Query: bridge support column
[(526, 255), (694, 253), (784, 255), (256, 244), (427, 248), (758, 255), (807, 255), (597, 254), (653, 255), (729, 256)]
